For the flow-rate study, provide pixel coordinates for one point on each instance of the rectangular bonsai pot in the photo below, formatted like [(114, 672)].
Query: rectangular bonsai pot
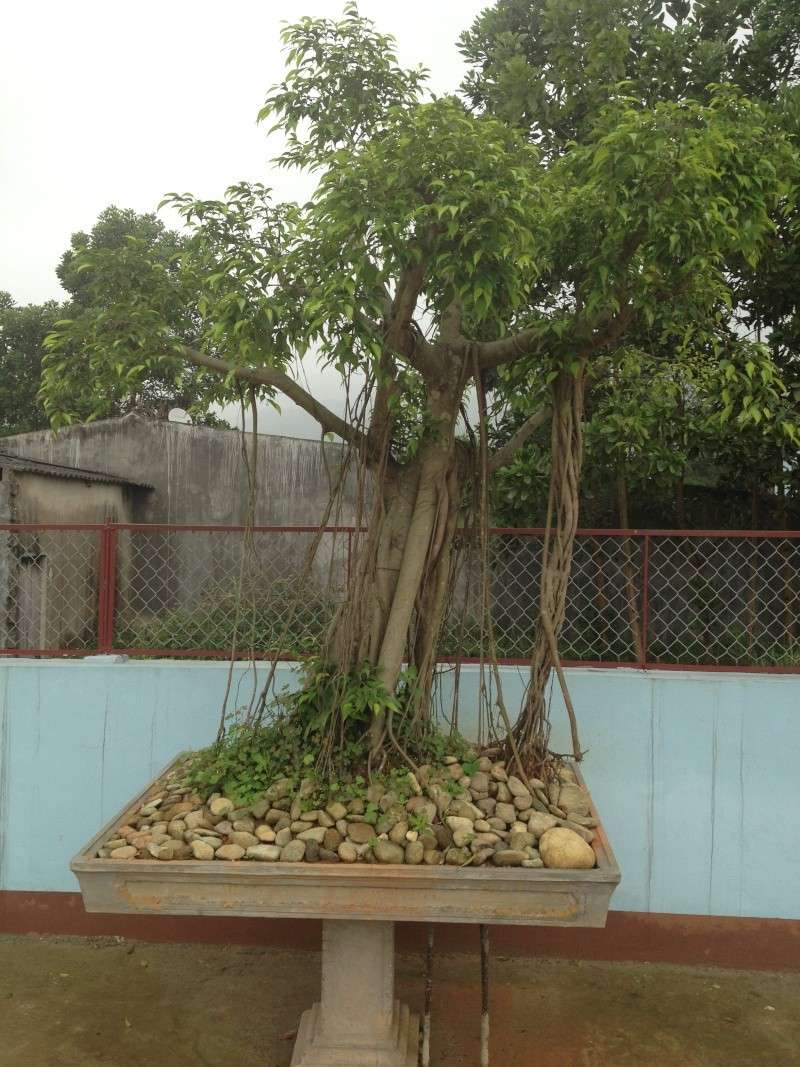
[(509, 895)]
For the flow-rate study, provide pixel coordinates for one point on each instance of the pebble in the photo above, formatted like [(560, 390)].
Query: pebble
[(415, 852), (241, 837), (265, 853), (509, 857), (294, 852), (563, 849), (123, 852), (360, 832), (201, 850), (388, 852), (230, 852), (487, 816)]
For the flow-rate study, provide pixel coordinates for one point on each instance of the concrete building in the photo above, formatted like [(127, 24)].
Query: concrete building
[(48, 578), (197, 473), (139, 470)]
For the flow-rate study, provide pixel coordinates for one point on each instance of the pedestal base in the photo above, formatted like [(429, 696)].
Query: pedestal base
[(357, 1022), (312, 1049)]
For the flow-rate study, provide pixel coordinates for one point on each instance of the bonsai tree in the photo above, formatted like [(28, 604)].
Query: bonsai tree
[(440, 251)]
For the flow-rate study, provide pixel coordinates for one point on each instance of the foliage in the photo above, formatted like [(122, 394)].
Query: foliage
[(551, 69), (22, 333)]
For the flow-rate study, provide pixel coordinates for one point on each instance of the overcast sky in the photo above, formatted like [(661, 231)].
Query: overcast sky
[(107, 103)]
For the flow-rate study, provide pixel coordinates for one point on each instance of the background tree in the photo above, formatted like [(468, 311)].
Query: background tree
[(22, 333), (551, 69), (439, 248)]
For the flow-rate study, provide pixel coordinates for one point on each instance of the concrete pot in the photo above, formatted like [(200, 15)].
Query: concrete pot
[(358, 1022)]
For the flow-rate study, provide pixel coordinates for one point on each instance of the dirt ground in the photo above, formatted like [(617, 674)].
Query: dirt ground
[(85, 1003)]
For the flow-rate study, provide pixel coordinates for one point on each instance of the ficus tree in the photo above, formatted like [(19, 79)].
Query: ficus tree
[(440, 249)]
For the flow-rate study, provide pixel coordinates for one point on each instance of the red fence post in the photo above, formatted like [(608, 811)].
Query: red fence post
[(645, 597), (106, 587)]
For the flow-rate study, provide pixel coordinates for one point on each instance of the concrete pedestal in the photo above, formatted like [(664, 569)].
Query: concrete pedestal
[(357, 1022)]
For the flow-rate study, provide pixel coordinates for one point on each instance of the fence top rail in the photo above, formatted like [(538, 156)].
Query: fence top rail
[(515, 531)]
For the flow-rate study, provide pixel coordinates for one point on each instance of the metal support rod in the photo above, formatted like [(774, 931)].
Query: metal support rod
[(425, 1043), (484, 995)]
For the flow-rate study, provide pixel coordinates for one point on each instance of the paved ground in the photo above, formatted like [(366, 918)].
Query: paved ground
[(86, 1003)]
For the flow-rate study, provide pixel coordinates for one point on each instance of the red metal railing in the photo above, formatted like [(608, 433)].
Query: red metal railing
[(670, 599)]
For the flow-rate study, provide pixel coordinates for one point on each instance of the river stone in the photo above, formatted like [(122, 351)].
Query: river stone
[(463, 809), (423, 807), (563, 849), (573, 799), (117, 842), (480, 782), (194, 819), (325, 820), (230, 852), (283, 837), (517, 787), (260, 808), (506, 812), (348, 853), (533, 863), (299, 826), (398, 832), (388, 852), (265, 853), (432, 857), (484, 840), (456, 823), (176, 829), (497, 825), (540, 823), (487, 805), (523, 802), (508, 857), (123, 852), (414, 852), (566, 774), (241, 837), (336, 810), (360, 832), (245, 825), (294, 852), (332, 839), (456, 857), (327, 855), (503, 793), (316, 833), (581, 831), (444, 836), (265, 834), (482, 826), (357, 806), (220, 806), (201, 850), (341, 826), (312, 850), (520, 841), (499, 773), (462, 838), (481, 856)]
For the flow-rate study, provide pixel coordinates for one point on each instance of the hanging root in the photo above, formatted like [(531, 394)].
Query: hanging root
[(532, 732)]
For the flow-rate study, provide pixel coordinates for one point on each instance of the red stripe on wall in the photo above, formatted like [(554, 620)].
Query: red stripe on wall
[(698, 940)]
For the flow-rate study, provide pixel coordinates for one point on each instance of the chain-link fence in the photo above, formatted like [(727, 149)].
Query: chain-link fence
[(646, 598)]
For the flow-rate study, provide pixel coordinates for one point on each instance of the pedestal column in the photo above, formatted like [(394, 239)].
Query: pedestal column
[(357, 1022)]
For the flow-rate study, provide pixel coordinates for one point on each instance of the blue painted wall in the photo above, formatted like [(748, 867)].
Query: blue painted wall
[(696, 775)]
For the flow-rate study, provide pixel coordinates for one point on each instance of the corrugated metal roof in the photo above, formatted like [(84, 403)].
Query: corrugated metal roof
[(60, 470)]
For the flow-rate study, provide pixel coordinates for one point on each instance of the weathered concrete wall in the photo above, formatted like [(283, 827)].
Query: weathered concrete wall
[(695, 775), (197, 473), (48, 579)]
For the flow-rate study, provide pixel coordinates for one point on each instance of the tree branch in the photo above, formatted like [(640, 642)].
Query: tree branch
[(271, 378), (502, 456)]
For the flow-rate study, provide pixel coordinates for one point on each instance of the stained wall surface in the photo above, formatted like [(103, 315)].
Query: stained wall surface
[(695, 775)]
